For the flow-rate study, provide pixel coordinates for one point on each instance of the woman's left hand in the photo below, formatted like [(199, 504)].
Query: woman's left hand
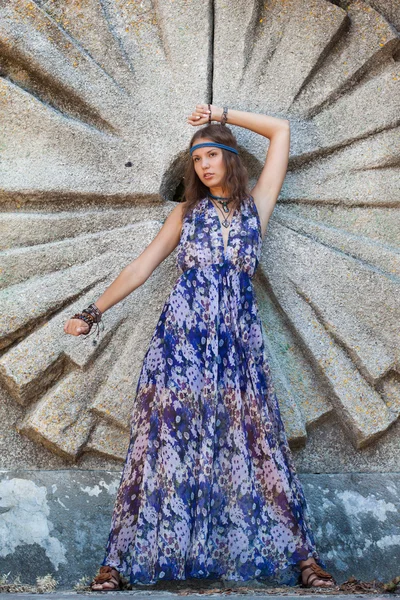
[(200, 115)]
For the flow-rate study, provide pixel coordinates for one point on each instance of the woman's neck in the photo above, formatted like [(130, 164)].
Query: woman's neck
[(218, 193)]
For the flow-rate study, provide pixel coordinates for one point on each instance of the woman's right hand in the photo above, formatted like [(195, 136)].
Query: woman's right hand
[(76, 327), (200, 114)]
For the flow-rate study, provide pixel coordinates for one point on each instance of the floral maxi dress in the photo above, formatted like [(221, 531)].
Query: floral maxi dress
[(209, 488)]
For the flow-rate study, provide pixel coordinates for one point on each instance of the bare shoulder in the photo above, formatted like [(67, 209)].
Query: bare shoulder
[(178, 209), (175, 217), (259, 204)]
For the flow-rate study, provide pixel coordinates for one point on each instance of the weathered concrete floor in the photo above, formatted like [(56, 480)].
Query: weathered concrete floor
[(67, 595), (165, 595)]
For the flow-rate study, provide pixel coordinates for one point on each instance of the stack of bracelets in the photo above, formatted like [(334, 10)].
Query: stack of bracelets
[(92, 316), (224, 116)]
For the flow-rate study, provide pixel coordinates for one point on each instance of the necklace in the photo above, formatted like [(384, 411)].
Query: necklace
[(221, 200), (225, 222)]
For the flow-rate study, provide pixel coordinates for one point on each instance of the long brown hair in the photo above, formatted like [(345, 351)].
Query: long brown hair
[(236, 176)]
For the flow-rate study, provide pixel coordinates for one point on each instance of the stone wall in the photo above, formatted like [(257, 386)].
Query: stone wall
[(93, 104)]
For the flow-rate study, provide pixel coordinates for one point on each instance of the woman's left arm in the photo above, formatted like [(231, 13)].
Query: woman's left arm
[(269, 183)]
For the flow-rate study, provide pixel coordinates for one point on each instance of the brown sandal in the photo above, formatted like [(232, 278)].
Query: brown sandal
[(106, 574), (316, 573)]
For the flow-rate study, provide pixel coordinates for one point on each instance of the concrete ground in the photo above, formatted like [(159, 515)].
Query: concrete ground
[(68, 594), (206, 590)]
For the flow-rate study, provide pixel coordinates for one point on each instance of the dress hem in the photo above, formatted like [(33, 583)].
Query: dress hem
[(288, 575)]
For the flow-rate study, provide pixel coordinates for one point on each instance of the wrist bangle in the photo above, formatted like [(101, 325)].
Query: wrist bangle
[(91, 315), (94, 311), (224, 117), (88, 318)]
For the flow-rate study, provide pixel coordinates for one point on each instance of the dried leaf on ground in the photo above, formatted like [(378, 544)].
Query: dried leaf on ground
[(393, 585), (354, 586)]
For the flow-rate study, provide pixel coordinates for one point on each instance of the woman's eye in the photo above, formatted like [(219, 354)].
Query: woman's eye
[(211, 154)]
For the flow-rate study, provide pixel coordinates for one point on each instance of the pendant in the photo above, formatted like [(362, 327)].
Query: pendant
[(225, 223), (225, 207)]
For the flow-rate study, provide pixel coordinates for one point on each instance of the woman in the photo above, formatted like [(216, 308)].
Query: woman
[(209, 487)]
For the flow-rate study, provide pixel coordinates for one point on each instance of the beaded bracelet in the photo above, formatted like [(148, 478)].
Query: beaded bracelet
[(87, 318), (91, 316), (224, 117), (93, 310)]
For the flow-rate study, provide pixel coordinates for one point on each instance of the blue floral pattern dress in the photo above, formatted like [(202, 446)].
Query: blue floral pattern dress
[(209, 488)]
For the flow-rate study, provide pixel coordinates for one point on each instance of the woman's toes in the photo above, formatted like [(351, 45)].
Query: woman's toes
[(324, 583), (102, 586)]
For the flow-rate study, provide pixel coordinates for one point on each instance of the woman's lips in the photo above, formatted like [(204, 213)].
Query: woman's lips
[(208, 176)]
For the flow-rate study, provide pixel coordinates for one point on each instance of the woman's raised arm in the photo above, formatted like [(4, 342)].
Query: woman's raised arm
[(138, 271), (269, 183)]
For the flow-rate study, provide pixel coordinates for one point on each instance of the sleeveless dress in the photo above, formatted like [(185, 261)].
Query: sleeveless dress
[(209, 488)]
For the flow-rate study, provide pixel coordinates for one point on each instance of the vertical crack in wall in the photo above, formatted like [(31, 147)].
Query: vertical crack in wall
[(211, 52)]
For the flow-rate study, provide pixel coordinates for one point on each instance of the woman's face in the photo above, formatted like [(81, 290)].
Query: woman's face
[(209, 164)]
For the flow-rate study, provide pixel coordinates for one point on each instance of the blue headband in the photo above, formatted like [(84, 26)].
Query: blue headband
[(213, 144)]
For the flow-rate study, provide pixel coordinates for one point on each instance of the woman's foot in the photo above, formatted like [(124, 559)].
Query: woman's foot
[(108, 579), (312, 575)]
